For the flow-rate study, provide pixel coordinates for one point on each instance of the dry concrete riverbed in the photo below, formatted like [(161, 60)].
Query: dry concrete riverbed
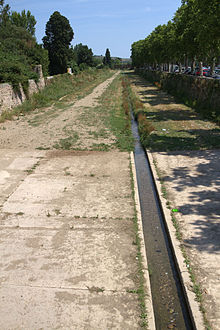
[(66, 241), (68, 257), (191, 185)]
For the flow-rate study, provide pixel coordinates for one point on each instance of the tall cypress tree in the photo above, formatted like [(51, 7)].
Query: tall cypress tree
[(59, 35), (107, 59)]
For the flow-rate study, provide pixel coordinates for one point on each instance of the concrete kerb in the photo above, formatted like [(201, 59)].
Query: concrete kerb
[(148, 298), (190, 296)]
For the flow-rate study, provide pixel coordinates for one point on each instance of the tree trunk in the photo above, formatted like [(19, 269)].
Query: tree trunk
[(212, 66), (186, 62), (193, 65), (201, 68), (180, 67)]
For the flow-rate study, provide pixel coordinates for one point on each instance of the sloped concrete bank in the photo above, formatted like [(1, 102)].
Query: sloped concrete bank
[(200, 92), (191, 180)]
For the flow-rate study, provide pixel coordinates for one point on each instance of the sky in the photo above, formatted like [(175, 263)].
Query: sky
[(102, 24)]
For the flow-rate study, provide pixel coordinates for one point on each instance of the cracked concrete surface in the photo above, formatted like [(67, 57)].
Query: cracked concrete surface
[(67, 253), (66, 234), (192, 185)]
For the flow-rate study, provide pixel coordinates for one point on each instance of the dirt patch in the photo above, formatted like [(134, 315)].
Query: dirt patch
[(56, 127)]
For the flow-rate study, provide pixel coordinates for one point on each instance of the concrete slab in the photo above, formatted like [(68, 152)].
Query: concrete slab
[(192, 183), (81, 186), (54, 308), (14, 167), (76, 256), (67, 256)]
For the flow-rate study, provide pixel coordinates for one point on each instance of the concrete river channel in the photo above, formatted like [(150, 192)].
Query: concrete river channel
[(170, 307)]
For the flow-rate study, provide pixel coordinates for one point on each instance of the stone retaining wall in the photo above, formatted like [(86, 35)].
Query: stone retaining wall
[(10, 98), (201, 93)]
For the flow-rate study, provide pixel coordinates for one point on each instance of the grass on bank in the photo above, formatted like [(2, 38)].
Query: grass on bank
[(108, 124), (167, 126), (59, 89), (116, 116)]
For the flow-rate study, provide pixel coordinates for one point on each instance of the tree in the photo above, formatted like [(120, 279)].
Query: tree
[(83, 54), (59, 35), (192, 35), (19, 51), (4, 13), (25, 20), (107, 58)]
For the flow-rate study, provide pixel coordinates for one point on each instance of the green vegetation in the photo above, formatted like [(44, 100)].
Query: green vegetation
[(19, 51), (173, 127), (60, 89), (103, 127), (166, 126), (200, 94), (116, 116), (192, 35), (24, 20), (82, 55), (31, 170), (191, 38), (59, 35), (107, 58), (67, 143)]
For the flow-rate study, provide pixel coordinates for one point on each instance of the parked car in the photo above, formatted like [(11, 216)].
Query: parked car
[(188, 70), (205, 72), (216, 74)]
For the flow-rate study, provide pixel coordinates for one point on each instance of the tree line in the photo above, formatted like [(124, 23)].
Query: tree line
[(191, 38), (20, 52)]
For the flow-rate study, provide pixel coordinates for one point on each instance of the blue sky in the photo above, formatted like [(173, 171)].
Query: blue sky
[(101, 24)]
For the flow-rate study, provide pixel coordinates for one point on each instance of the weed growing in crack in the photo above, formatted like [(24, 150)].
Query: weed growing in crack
[(95, 289), (31, 170)]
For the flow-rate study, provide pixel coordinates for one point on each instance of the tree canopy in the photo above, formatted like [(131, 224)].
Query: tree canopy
[(59, 35), (83, 54), (25, 20), (107, 58), (192, 34), (19, 51)]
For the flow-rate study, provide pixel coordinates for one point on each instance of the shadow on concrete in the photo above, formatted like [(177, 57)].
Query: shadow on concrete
[(204, 202), (204, 193), (190, 139)]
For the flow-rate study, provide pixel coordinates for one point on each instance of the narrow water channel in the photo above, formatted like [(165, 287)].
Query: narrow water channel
[(169, 303)]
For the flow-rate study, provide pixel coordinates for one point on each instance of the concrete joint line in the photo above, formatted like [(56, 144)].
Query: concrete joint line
[(63, 288), (190, 296), (148, 299)]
